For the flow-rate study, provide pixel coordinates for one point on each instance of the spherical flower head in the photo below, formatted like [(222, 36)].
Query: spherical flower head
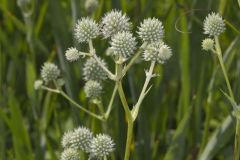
[(151, 30), (70, 154), (123, 44), (38, 84), (214, 25), (93, 89), (86, 29), (91, 5), (113, 22), (49, 72), (102, 145), (80, 138), (207, 44), (72, 54), (92, 70), (157, 52)]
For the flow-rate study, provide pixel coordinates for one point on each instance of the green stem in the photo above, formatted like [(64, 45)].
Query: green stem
[(149, 75), (237, 136), (237, 141), (220, 58), (129, 139), (111, 102), (72, 101), (134, 58)]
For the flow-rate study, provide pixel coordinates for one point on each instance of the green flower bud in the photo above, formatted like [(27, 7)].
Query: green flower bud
[(207, 44)]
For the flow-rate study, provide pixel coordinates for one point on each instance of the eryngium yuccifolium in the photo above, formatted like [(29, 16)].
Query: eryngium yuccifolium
[(38, 84), (92, 70), (151, 30), (70, 154), (113, 22), (93, 89), (49, 72), (72, 54), (158, 52), (214, 25), (79, 138), (102, 145), (86, 29), (91, 5), (123, 44), (208, 44)]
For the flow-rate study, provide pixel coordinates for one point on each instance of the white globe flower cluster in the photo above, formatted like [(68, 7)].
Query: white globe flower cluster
[(213, 26), (82, 139)]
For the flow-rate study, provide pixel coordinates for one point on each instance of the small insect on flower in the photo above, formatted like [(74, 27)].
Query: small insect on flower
[(92, 70), (72, 54), (86, 29), (207, 44), (70, 154), (158, 52), (93, 89), (151, 30), (49, 72), (123, 44), (214, 25), (79, 138), (102, 145), (113, 22)]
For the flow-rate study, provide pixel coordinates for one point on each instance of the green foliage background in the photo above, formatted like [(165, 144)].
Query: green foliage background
[(173, 116)]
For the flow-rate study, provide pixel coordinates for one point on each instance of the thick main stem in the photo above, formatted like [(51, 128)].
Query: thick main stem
[(237, 141)]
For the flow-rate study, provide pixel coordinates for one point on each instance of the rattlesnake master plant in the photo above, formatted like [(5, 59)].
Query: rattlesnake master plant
[(101, 145), (70, 154), (214, 25), (86, 29), (81, 139), (114, 27), (114, 22), (49, 72)]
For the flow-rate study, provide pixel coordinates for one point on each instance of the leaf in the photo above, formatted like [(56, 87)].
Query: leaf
[(176, 149), (218, 139)]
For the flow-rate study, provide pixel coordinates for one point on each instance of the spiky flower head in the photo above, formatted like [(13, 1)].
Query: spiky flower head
[(70, 154), (102, 145), (38, 84), (113, 22), (92, 70), (151, 30), (86, 29), (49, 72), (207, 44), (213, 24), (91, 5), (93, 89), (123, 44), (79, 138), (72, 54), (158, 52)]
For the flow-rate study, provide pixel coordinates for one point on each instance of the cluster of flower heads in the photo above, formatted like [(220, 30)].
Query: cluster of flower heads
[(82, 139), (213, 26)]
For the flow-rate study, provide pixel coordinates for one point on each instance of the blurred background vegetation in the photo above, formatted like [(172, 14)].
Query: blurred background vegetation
[(172, 124)]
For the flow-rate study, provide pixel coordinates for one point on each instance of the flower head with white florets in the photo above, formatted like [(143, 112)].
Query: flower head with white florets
[(151, 30), (93, 89), (158, 52), (213, 24), (72, 54), (49, 72), (113, 22), (101, 145), (86, 29), (70, 154), (208, 44), (123, 44)]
